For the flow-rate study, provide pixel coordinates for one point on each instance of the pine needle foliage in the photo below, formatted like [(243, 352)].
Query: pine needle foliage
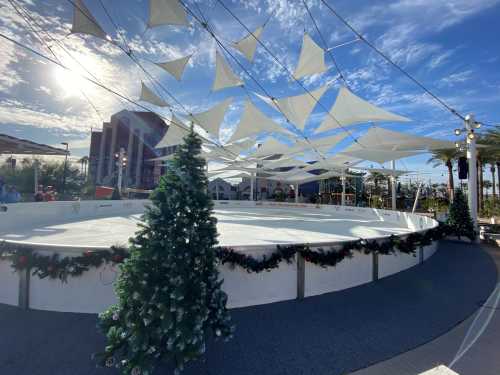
[(169, 292)]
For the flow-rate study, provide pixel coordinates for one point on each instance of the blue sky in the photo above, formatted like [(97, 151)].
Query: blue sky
[(451, 46)]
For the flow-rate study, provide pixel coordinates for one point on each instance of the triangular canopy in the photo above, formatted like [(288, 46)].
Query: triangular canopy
[(283, 163), (385, 171), (84, 22), (311, 60), (166, 12), (297, 108), (248, 44), (377, 155), (253, 122), (271, 147), (224, 76), (389, 139), (174, 135), (350, 109), (175, 67), (212, 119), (329, 141), (335, 162), (238, 147), (149, 96)]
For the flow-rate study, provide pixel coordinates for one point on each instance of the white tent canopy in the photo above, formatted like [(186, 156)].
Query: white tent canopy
[(149, 96), (166, 12), (248, 44), (350, 109), (390, 139), (174, 135), (283, 163), (377, 155), (238, 147), (297, 108), (271, 147), (224, 76), (329, 141), (253, 122), (84, 22), (212, 119), (311, 59), (175, 67), (385, 171)]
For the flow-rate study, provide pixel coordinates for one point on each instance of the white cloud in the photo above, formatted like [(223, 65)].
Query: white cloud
[(455, 78)]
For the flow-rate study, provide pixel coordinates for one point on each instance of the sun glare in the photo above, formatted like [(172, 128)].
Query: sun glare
[(72, 81)]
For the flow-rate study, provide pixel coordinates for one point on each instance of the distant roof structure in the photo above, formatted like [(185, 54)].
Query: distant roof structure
[(13, 145)]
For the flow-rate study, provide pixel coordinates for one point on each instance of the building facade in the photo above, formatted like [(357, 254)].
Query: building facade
[(136, 133)]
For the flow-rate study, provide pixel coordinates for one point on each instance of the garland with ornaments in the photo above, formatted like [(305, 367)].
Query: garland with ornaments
[(56, 267)]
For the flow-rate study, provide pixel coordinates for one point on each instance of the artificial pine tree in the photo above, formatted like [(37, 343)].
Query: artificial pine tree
[(169, 293), (459, 219)]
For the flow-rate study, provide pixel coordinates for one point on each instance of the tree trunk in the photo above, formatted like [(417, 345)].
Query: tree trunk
[(492, 169), (451, 186)]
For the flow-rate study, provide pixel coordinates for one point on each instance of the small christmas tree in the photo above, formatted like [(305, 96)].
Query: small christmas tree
[(459, 219), (169, 292)]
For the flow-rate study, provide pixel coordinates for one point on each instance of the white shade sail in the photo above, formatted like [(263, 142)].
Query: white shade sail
[(238, 147), (212, 119), (84, 22), (336, 162), (349, 109), (175, 67), (311, 59), (174, 135), (149, 96), (296, 108), (385, 171), (283, 163), (329, 141), (378, 156), (248, 44), (224, 76), (166, 12), (253, 122), (394, 140), (271, 147)]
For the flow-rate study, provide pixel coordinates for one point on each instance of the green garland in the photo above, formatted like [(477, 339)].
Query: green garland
[(56, 267)]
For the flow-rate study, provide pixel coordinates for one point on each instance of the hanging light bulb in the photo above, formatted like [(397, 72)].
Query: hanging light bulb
[(457, 131), (471, 136), (457, 144), (477, 125)]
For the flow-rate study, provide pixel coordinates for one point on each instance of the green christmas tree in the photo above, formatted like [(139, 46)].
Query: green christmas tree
[(459, 219), (169, 292)]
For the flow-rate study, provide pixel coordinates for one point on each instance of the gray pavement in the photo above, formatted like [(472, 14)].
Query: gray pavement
[(480, 333), (332, 334)]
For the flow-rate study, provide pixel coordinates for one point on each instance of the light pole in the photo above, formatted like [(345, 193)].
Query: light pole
[(65, 167), (470, 126), (120, 163)]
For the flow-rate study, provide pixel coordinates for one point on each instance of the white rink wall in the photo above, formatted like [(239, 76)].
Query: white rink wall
[(92, 292)]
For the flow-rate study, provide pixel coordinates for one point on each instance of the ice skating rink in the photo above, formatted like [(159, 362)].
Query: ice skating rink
[(237, 226)]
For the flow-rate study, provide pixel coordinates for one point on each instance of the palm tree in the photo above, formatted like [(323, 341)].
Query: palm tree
[(445, 157), (84, 163)]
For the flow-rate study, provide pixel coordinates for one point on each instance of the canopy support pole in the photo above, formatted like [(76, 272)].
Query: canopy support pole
[(342, 178), (393, 185), (251, 185), (296, 187), (35, 174), (417, 197), (472, 157)]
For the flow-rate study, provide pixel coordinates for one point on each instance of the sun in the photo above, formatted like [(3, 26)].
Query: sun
[(72, 81)]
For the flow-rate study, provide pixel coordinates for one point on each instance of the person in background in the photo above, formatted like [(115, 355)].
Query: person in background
[(39, 195), (50, 194), (12, 195)]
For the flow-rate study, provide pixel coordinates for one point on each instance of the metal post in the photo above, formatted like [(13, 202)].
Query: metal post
[(472, 157), (65, 167), (417, 196), (301, 276), (296, 193), (393, 185), (216, 189), (119, 164), (251, 185), (35, 173), (342, 178)]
